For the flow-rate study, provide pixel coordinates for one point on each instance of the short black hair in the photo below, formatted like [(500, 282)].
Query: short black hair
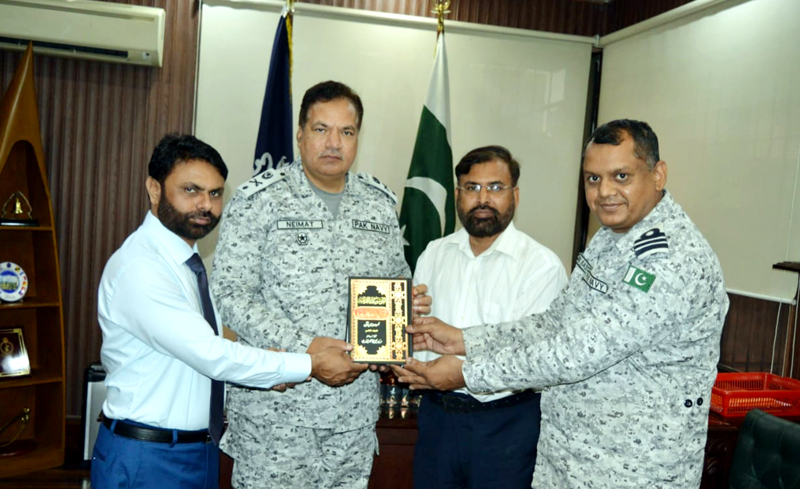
[(486, 154), (645, 141), (180, 148), (327, 91)]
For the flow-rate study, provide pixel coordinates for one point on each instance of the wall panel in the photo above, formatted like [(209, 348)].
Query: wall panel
[(563, 16)]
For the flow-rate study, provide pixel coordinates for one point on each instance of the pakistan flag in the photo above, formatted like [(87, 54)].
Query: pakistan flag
[(428, 210)]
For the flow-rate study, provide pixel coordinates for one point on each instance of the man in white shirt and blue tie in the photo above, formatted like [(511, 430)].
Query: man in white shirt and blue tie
[(165, 359)]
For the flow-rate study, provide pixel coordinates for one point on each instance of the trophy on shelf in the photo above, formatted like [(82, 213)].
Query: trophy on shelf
[(17, 211)]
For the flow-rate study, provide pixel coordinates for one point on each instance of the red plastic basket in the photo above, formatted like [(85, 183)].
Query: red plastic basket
[(734, 394)]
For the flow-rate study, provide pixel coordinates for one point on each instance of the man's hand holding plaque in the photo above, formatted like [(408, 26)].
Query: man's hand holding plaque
[(330, 363)]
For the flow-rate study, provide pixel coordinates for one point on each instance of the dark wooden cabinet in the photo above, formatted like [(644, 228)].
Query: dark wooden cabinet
[(722, 436), (391, 468)]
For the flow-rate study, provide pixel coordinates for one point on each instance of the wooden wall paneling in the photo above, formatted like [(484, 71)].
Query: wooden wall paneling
[(99, 123), (567, 17), (625, 13), (749, 332)]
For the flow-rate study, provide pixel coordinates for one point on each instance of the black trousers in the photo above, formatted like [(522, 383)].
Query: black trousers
[(459, 447)]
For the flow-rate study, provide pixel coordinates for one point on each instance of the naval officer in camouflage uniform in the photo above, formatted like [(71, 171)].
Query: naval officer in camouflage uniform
[(289, 240), (627, 354)]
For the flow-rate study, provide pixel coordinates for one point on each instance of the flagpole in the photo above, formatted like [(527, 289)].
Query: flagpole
[(289, 27)]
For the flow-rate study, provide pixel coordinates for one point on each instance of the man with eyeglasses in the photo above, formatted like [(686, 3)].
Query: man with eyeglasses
[(486, 272), (628, 353)]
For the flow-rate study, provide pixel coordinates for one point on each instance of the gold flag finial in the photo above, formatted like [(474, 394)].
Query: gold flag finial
[(290, 6), (441, 8)]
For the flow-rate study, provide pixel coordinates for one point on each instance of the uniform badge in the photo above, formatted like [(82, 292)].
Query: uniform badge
[(653, 241), (587, 276), (302, 239), (638, 278), (371, 226)]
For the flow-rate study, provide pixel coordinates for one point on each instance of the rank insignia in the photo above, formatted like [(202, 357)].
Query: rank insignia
[(653, 241), (302, 239)]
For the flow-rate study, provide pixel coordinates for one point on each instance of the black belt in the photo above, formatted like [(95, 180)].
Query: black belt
[(157, 435), (455, 402)]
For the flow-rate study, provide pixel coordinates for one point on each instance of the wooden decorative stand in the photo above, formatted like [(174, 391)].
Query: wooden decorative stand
[(39, 315)]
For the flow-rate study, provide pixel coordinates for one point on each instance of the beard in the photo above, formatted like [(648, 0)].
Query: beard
[(180, 223), (483, 227)]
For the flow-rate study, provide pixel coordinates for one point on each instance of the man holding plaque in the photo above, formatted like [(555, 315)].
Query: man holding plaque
[(627, 354), (165, 360), (487, 272), (290, 240)]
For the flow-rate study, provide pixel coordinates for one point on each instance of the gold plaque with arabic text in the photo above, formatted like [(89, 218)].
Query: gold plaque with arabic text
[(378, 312)]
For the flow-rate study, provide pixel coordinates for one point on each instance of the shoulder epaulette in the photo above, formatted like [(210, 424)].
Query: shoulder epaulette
[(374, 182), (653, 241), (262, 181)]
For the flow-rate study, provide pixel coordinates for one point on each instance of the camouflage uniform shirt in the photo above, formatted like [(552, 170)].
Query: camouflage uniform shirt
[(280, 279), (626, 356)]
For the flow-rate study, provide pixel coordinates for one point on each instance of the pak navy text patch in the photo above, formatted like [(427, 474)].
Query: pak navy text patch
[(371, 226), (590, 279)]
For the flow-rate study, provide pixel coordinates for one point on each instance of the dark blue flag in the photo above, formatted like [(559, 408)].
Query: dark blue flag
[(274, 146)]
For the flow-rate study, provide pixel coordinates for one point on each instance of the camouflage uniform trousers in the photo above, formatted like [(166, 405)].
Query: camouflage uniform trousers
[(282, 456)]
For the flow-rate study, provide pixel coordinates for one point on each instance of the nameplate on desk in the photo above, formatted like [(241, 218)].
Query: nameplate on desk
[(379, 309)]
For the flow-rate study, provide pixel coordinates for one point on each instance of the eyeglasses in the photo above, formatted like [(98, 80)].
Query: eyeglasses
[(492, 188)]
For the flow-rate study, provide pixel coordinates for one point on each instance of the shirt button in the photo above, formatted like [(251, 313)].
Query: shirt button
[(687, 403), (699, 401)]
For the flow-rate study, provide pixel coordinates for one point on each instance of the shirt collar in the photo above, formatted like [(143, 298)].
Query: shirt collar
[(173, 245), (504, 243)]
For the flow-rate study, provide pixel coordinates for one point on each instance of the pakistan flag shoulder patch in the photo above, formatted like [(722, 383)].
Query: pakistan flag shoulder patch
[(638, 278)]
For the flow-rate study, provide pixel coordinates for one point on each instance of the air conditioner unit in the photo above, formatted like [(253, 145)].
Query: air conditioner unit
[(84, 29)]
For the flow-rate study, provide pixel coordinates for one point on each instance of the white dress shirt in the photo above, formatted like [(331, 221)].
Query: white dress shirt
[(514, 278), (158, 350)]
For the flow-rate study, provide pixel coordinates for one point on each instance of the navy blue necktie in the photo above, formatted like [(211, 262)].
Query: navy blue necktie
[(215, 418)]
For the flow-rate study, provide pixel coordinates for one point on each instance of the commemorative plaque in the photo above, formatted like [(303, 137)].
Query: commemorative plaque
[(378, 312), (14, 359)]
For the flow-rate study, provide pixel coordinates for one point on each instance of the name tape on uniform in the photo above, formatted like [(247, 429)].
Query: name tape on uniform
[(590, 279), (299, 224)]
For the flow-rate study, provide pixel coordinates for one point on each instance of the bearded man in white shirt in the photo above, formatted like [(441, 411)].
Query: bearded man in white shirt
[(487, 272)]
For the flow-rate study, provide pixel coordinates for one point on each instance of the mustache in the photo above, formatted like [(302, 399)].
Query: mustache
[(483, 207), (332, 153), (205, 214)]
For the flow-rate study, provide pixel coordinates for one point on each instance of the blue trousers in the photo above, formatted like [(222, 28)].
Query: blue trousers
[(493, 449), (119, 462)]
